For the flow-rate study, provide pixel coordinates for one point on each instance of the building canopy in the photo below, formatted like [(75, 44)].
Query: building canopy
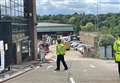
[(54, 27)]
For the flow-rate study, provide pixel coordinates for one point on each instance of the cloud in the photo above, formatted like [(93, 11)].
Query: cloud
[(71, 6)]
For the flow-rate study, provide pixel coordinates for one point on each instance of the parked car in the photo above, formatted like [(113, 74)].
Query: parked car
[(79, 46), (71, 42), (81, 49), (66, 38), (74, 44)]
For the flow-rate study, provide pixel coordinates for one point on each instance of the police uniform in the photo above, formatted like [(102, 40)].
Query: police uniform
[(60, 51), (116, 47)]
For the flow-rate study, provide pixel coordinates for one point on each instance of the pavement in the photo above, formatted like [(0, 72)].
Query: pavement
[(81, 70), (17, 70)]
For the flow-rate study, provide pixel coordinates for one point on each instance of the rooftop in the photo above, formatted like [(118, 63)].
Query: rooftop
[(54, 27), (45, 24)]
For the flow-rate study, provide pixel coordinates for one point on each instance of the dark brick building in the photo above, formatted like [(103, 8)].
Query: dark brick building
[(17, 30)]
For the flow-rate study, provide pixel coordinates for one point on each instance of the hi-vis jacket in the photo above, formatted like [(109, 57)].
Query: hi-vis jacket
[(60, 50), (116, 47)]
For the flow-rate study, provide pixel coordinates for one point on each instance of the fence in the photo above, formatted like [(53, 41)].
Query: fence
[(106, 53)]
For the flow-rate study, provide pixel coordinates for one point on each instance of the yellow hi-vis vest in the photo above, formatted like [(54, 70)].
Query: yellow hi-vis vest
[(116, 47), (60, 50)]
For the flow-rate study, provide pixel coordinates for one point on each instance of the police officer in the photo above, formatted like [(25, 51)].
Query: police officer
[(60, 51), (116, 47)]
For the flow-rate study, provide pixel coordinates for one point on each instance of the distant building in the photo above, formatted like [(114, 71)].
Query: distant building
[(54, 29)]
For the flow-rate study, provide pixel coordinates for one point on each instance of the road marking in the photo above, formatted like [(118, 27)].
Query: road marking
[(85, 70), (50, 66), (72, 80), (54, 59), (92, 66), (37, 67)]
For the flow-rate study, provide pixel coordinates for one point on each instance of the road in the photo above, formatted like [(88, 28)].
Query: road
[(81, 70)]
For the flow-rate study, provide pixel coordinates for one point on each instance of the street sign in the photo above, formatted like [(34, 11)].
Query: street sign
[(2, 56)]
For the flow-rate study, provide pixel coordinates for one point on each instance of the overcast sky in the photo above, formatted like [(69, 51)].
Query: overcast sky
[(45, 7)]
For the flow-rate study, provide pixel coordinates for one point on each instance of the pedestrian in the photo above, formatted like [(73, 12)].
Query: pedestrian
[(60, 51), (42, 53), (116, 47)]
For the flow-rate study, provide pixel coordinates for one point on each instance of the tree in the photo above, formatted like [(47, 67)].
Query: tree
[(72, 20), (75, 20), (116, 30), (83, 28), (107, 23), (88, 27), (105, 30), (106, 40)]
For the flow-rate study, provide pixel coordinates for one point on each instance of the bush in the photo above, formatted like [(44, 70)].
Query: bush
[(106, 40)]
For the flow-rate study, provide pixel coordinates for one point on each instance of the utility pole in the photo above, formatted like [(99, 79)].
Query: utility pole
[(97, 4), (30, 14)]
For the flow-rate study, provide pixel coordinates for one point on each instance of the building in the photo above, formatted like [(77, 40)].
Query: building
[(17, 30), (54, 29), (89, 38)]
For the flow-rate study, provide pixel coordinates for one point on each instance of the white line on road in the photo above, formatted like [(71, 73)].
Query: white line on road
[(85, 70), (50, 66), (54, 59), (38, 67), (92, 66), (72, 80)]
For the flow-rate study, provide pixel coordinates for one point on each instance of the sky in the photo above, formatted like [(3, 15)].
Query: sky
[(46, 7)]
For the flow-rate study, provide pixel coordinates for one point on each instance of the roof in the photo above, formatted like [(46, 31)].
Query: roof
[(45, 24), (54, 27)]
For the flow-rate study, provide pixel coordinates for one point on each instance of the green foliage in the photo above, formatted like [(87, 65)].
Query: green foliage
[(75, 20), (83, 28), (107, 23), (105, 30), (116, 30), (72, 20), (88, 27), (106, 39)]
